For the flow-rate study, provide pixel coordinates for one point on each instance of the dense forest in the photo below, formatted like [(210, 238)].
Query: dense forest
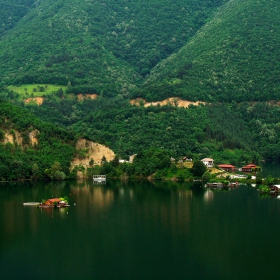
[(235, 56), (233, 132), (48, 153), (208, 50), (48, 158), (223, 52)]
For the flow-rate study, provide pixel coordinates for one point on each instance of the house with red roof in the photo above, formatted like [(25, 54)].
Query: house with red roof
[(55, 201), (250, 168), (227, 167)]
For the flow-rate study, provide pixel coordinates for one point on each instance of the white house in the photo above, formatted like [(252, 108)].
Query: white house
[(123, 161), (209, 162)]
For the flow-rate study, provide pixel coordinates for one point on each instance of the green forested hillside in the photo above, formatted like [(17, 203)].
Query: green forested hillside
[(228, 132), (98, 46), (210, 50), (235, 56), (224, 52), (54, 150), (11, 12)]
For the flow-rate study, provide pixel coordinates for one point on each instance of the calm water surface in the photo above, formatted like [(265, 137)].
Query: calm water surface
[(138, 231), (270, 168)]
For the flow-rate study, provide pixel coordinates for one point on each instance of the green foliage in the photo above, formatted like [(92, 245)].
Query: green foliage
[(36, 172), (2, 135), (91, 162), (236, 133), (59, 175), (264, 189), (206, 177), (198, 168), (149, 161), (227, 59), (258, 178), (107, 168), (81, 153), (269, 180), (54, 144), (105, 47), (55, 173), (196, 49)]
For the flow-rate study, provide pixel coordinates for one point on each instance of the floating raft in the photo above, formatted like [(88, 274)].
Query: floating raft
[(31, 203)]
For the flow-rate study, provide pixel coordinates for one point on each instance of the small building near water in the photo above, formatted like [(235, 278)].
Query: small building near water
[(55, 202), (227, 167), (250, 168), (99, 178), (275, 188)]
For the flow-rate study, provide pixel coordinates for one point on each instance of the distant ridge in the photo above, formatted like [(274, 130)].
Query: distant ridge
[(235, 56), (106, 47)]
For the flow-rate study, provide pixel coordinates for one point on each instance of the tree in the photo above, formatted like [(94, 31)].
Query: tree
[(115, 161), (36, 172), (259, 178), (270, 180), (198, 168), (59, 175), (103, 160), (2, 135), (52, 172), (206, 176), (91, 162)]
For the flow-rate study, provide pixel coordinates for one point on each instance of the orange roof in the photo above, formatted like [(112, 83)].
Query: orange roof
[(226, 166), (249, 166), (52, 200)]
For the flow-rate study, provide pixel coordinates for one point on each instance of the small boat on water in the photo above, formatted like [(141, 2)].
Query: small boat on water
[(54, 202), (31, 203), (50, 203), (222, 185), (214, 185)]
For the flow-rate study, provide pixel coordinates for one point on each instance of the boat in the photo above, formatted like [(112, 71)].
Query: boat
[(221, 185), (31, 203), (214, 185), (57, 202)]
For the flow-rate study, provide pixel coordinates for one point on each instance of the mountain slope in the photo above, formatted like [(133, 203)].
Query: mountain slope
[(12, 11), (235, 56), (107, 46)]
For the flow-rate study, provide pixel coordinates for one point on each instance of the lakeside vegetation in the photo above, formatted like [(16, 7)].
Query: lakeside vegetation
[(47, 158), (219, 51), (204, 131), (234, 133)]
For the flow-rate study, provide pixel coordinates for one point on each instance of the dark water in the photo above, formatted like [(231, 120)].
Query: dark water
[(271, 168), (138, 231)]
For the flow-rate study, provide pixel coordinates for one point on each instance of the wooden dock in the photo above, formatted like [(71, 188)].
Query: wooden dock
[(99, 179)]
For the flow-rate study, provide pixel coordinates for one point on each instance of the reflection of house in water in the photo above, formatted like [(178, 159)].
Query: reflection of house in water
[(185, 194), (96, 196), (208, 196)]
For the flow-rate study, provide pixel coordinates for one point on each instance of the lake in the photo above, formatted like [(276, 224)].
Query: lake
[(138, 230), (270, 168)]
